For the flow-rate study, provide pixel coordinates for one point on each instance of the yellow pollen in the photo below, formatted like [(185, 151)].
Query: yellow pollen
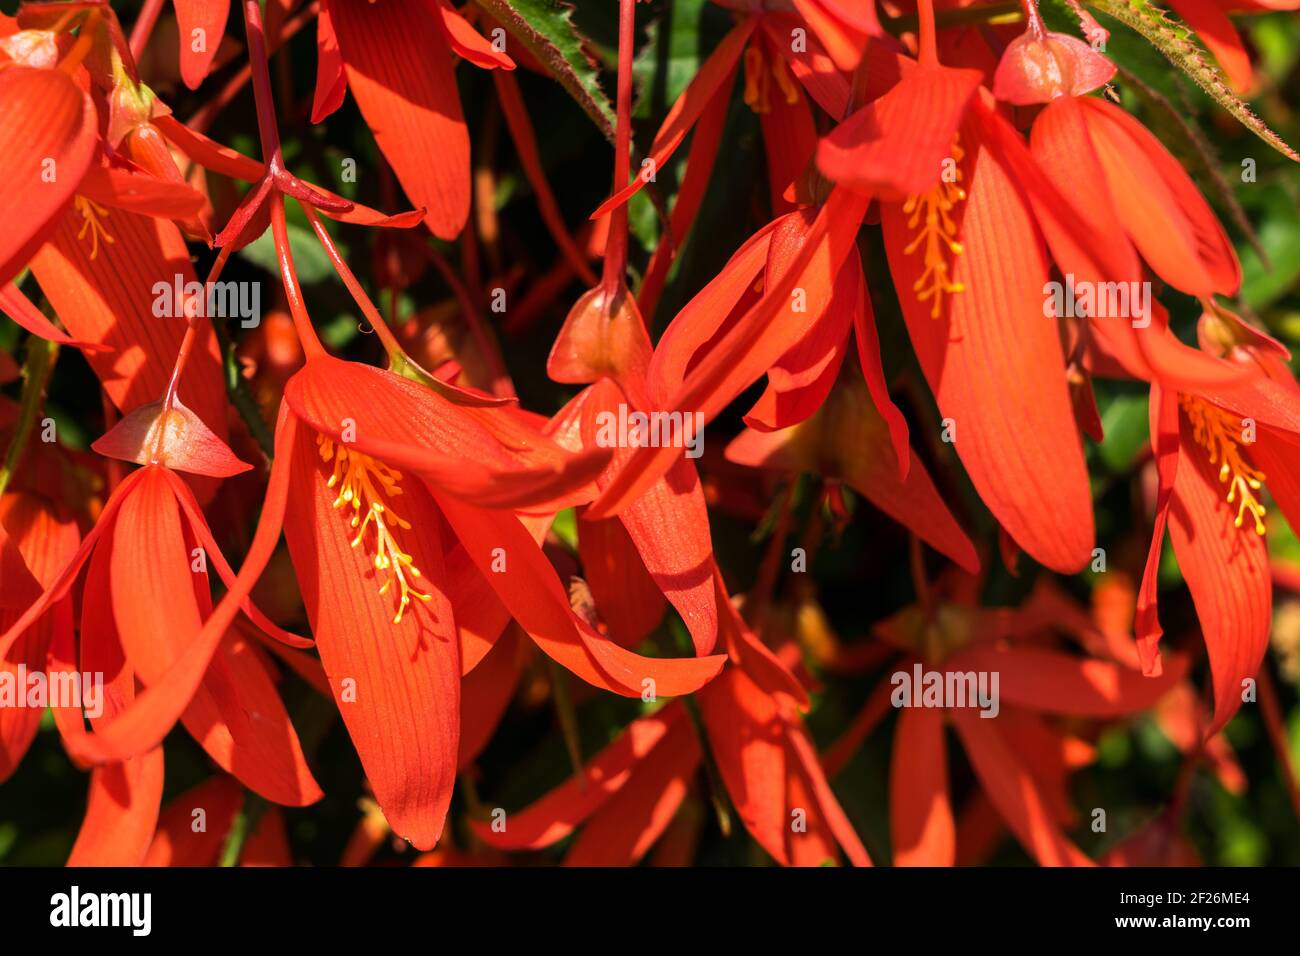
[(364, 484), (930, 214), (91, 213), (1220, 434), (758, 81)]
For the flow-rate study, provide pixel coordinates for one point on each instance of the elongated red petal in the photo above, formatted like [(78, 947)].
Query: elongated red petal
[(201, 23), (179, 842), (557, 814), (139, 193), (995, 364), (1057, 683), (921, 820), (623, 830), (331, 82), (747, 742), (669, 524), (1163, 416), (485, 692), (401, 74), (141, 726), (397, 683), (158, 599), (1161, 209), (465, 40), (47, 138), (19, 308), (1226, 569), (527, 585), (408, 426), (1014, 792), (806, 764), (629, 601)]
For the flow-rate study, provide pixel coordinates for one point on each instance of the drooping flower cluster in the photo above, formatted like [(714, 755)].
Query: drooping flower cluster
[(937, 185)]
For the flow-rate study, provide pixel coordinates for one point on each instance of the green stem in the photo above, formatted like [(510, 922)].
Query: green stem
[(37, 368), (241, 397), (245, 822)]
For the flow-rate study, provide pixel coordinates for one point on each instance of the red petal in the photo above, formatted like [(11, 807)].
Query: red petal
[(557, 814), (397, 684), (135, 192), (1014, 792), (624, 829), (157, 601), (1056, 683), (331, 84), (401, 74), (921, 821), (110, 297), (138, 728), (19, 308), (485, 692), (465, 40), (895, 146), (180, 841), (408, 426), (193, 16), (629, 601), (1159, 206), (1226, 569), (747, 742), (1163, 414), (47, 138), (995, 365), (530, 589)]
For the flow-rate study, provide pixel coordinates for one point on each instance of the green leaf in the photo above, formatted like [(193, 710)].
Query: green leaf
[(309, 258), (1124, 423), (1181, 48), (545, 28)]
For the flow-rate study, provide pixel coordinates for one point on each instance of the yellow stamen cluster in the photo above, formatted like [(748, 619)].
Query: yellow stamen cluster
[(930, 213), (758, 80), (364, 484), (91, 214), (1220, 434)]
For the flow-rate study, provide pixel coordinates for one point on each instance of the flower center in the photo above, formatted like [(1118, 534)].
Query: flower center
[(364, 484), (1221, 435), (930, 215), (91, 214), (758, 80)]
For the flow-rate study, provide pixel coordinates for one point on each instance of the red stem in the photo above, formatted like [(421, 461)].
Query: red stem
[(1036, 25), (616, 249), (364, 301), (1268, 704), (262, 95), (928, 52), (289, 275), (192, 331), (143, 27)]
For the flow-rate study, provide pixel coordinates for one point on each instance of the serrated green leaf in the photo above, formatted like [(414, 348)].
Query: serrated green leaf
[(1181, 48), (545, 28)]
